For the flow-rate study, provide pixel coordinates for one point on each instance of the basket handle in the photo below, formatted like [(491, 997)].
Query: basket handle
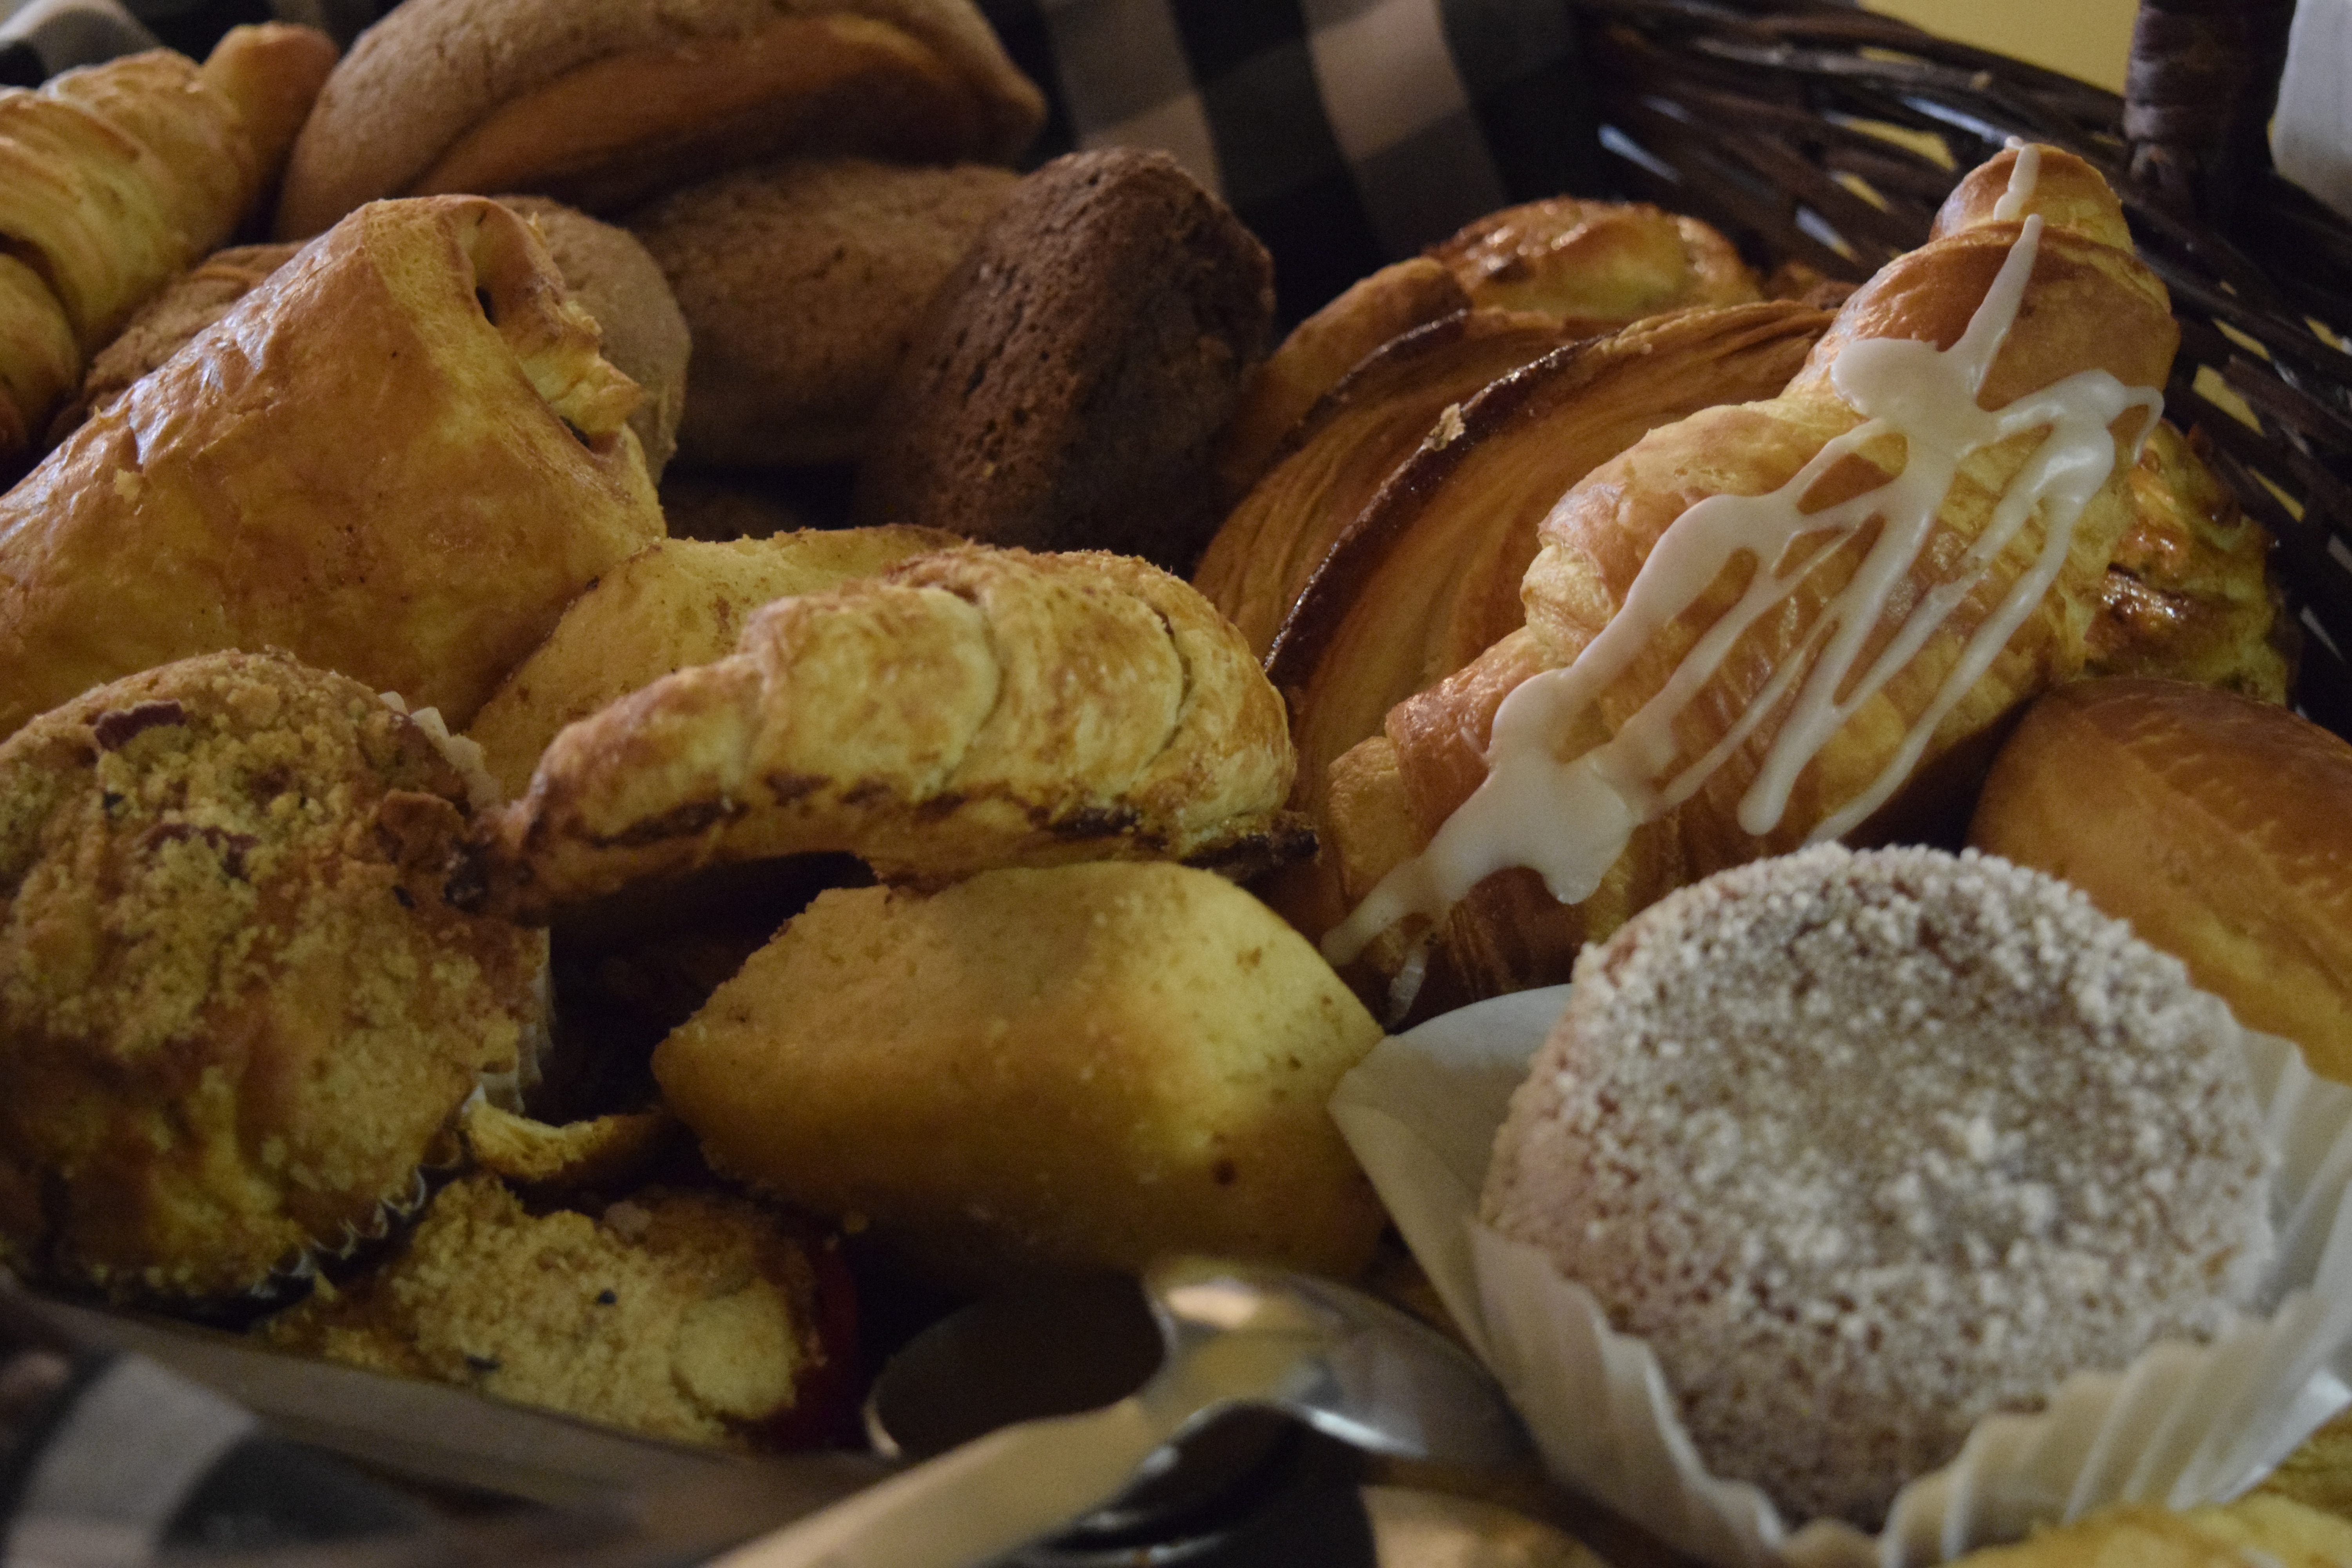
[(2197, 94)]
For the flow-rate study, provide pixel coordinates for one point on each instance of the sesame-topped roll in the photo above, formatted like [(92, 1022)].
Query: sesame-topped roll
[(1867, 1146)]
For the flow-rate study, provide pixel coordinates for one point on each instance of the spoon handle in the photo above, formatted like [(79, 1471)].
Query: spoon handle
[(974, 1503)]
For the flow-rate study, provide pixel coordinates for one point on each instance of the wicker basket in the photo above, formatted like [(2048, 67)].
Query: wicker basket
[(1813, 133)]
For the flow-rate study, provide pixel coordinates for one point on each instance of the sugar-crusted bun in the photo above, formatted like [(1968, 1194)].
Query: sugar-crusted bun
[(1869, 1146)]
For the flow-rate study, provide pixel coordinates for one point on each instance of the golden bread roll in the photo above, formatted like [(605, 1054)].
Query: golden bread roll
[(398, 457), (115, 176), (964, 710), (1601, 264), (692, 1316), (1071, 1068), (676, 603), (1801, 618), (1268, 549), (236, 1011), (640, 331), (606, 107), (2219, 826), (803, 283)]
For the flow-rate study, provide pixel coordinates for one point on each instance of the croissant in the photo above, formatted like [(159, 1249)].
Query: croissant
[(114, 177), (399, 457), (963, 710), (1798, 619)]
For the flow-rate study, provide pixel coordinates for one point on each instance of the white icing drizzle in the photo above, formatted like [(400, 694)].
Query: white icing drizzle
[(2023, 175), (1569, 818)]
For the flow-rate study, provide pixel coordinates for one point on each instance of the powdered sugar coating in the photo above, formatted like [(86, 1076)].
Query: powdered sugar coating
[(1868, 1145)]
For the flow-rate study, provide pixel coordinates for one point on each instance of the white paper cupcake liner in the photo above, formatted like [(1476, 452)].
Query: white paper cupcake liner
[(2184, 1424)]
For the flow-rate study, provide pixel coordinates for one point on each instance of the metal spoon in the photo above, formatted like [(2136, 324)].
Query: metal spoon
[(1236, 1335)]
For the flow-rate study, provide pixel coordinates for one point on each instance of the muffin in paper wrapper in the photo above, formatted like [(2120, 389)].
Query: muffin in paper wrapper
[(2185, 1424)]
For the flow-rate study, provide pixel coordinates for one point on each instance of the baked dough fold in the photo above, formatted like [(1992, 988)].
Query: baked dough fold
[(964, 711)]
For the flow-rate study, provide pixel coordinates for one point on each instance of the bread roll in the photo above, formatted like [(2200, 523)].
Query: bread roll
[(607, 106), (2219, 826), (399, 457), (676, 603), (803, 282), (115, 176), (1072, 1068)]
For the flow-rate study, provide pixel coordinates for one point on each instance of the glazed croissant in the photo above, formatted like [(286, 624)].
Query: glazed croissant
[(114, 177), (1784, 621), (962, 710)]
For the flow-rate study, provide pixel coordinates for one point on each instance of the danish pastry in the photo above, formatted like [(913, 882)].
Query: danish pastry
[(961, 711), (398, 457), (1804, 618)]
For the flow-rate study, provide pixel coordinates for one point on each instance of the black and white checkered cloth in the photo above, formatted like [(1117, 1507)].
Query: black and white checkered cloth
[(1345, 133)]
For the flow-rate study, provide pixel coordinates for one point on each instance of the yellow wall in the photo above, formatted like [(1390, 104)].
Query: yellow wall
[(2084, 39)]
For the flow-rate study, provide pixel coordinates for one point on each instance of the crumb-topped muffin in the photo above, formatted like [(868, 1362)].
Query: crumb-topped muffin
[(689, 1315), (1867, 1146), (237, 1013)]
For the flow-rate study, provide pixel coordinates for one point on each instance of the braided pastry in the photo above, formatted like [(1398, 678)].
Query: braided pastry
[(1786, 621), (963, 710)]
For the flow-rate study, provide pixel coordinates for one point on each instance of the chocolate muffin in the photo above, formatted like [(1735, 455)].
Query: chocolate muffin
[(1067, 386)]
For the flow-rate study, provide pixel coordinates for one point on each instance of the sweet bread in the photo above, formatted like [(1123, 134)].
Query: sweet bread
[(236, 1011), (640, 331), (2187, 596), (1425, 578), (398, 457), (1594, 263), (2219, 826), (676, 603), (1066, 388), (691, 1316), (1269, 546), (1073, 1069), (803, 283), (964, 710), (1805, 618), (604, 107)]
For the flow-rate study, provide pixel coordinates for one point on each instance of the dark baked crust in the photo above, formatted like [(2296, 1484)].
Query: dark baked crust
[(1071, 378), (803, 282)]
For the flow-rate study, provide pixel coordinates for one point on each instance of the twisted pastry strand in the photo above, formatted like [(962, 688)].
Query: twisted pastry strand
[(968, 710)]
